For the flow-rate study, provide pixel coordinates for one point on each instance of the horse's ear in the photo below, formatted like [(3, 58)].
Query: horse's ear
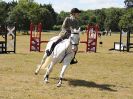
[(74, 30), (79, 29), (71, 30)]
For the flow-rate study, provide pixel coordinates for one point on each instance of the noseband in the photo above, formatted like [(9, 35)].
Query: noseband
[(75, 33)]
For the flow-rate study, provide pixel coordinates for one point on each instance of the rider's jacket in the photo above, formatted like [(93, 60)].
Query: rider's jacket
[(69, 22)]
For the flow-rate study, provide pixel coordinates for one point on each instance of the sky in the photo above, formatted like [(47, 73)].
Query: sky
[(67, 5)]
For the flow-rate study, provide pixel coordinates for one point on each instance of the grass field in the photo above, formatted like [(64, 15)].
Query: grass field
[(102, 75)]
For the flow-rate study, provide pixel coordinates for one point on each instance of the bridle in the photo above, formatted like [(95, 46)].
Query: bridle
[(75, 44)]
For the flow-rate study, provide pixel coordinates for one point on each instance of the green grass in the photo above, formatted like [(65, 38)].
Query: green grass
[(102, 75)]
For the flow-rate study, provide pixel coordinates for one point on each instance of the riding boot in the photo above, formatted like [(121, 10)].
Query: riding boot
[(52, 47), (74, 60)]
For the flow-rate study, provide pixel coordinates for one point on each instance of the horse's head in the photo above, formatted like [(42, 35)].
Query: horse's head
[(74, 38)]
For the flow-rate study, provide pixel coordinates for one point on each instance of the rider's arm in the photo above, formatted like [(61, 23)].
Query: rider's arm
[(66, 25)]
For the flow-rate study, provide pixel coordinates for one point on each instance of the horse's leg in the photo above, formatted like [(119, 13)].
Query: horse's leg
[(42, 62), (49, 70), (66, 62), (61, 75)]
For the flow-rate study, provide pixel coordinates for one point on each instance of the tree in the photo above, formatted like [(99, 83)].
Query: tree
[(52, 12), (101, 16), (27, 11), (127, 19), (129, 3), (20, 14), (84, 17), (61, 16), (46, 18), (113, 16), (3, 12)]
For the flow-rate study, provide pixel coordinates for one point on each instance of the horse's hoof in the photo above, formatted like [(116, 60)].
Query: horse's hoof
[(58, 85), (46, 81), (36, 73)]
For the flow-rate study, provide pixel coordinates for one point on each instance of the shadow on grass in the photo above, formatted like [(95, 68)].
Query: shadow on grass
[(84, 83)]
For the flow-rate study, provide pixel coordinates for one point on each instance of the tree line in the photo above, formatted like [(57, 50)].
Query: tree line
[(24, 12)]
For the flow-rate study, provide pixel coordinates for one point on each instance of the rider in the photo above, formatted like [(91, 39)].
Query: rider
[(69, 22)]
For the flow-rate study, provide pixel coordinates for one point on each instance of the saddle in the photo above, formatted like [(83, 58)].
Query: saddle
[(53, 46)]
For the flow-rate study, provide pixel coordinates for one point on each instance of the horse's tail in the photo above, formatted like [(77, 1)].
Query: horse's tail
[(46, 63), (48, 58), (45, 57)]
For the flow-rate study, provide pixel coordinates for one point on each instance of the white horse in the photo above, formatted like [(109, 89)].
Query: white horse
[(63, 52)]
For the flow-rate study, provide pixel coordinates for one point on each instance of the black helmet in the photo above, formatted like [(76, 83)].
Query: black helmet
[(75, 10)]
